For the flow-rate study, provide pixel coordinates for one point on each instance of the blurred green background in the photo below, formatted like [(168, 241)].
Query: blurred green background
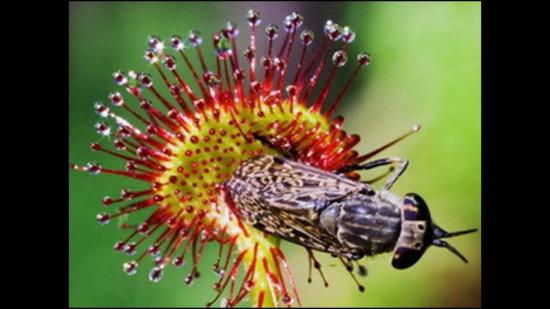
[(426, 70)]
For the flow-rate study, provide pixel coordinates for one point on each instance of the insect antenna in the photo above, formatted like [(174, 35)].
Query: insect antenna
[(349, 268), (439, 233), (317, 266), (444, 244)]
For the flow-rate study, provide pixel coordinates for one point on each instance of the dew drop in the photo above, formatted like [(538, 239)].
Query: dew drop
[(249, 53), (339, 58), (231, 30), (272, 31), (152, 129), (254, 18), (297, 19), (328, 24), (130, 268), (348, 35), (93, 168), (195, 38), (291, 90), (279, 63), (150, 56), (101, 109), (126, 193), (154, 250), (145, 80), (170, 63), (130, 248), (145, 104), (103, 218), (224, 303), (116, 98), (119, 145), (333, 31), (159, 261), (123, 132), (177, 43), (142, 152), (238, 74), (119, 246), (143, 228), (364, 58), (266, 62), (288, 25), (156, 44), (107, 201), (132, 74), (156, 274), (95, 146), (287, 299), (307, 37), (222, 46), (102, 129), (120, 78), (178, 262)]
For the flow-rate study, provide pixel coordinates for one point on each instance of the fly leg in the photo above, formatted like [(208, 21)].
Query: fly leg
[(373, 180), (402, 166), (349, 268), (317, 266)]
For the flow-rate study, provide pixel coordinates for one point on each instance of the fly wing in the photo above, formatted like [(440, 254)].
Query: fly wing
[(285, 198), (295, 187)]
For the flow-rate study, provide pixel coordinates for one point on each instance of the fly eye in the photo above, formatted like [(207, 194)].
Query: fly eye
[(405, 256), (421, 227)]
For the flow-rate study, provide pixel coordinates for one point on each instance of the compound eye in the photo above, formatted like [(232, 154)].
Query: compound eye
[(415, 208), (405, 257)]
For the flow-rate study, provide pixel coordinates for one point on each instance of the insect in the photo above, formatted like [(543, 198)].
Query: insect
[(331, 213)]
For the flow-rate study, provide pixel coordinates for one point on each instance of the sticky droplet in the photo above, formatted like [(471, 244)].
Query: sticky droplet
[(307, 37), (130, 268), (155, 274), (364, 58), (195, 38), (339, 58), (254, 18), (272, 31), (103, 218)]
